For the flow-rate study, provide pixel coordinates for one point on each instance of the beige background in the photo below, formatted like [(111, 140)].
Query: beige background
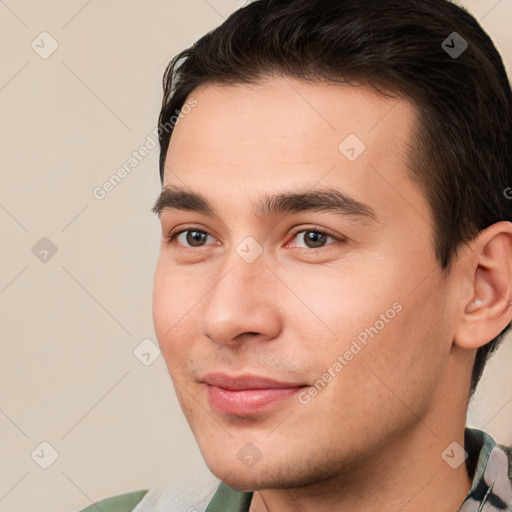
[(68, 374)]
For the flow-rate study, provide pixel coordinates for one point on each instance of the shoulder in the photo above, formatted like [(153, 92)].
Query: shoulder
[(508, 451), (121, 503)]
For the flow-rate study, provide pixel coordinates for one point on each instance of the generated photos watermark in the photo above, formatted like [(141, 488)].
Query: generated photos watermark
[(100, 192), (357, 345)]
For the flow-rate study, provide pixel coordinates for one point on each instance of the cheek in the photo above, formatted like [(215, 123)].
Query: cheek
[(173, 315), (370, 318), (162, 302), (342, 300), (405, 359)]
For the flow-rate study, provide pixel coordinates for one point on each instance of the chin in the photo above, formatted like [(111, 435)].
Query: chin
[(247, 481), (265, 474)]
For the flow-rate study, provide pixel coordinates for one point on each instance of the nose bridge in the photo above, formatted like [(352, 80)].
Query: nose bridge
[(240, 282), (240, 301), (246, 260)]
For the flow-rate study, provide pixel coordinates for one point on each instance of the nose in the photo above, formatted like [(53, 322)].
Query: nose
[(243, 304)]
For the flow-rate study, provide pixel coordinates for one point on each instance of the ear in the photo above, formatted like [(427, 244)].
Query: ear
[(486, 305)]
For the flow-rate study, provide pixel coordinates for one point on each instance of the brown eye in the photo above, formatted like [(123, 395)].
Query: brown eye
[(192, 238), (313, 239), (195, 238)]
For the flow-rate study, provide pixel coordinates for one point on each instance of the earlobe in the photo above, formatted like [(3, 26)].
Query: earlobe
[(487, 309)]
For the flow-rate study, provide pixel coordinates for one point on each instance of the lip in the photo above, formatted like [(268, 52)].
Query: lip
[(246, 395)]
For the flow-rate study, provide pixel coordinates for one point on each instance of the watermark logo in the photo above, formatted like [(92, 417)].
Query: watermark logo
[(249, 249), (100, 192), (249, 455), (454, 455), (44, 455), (147, 352), (352, 147), (44, 250), (454, 45), (44, 45)]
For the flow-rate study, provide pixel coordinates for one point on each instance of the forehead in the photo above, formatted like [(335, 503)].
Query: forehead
[(281, 107), (281, 131)]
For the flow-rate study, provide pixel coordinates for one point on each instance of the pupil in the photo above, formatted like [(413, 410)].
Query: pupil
[(194, 236), (316, 238)]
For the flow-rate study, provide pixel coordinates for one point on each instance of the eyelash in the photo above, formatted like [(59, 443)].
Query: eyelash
[(171, 238)]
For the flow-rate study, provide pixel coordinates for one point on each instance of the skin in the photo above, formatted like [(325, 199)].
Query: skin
[(376, 432)]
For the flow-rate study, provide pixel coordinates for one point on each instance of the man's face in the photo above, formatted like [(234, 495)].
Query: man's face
[(347, 306)]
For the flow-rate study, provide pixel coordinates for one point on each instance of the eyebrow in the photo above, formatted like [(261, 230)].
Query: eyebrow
[(287, 202)]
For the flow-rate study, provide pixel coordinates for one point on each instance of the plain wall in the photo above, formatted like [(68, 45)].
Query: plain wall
[(68, 374)]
